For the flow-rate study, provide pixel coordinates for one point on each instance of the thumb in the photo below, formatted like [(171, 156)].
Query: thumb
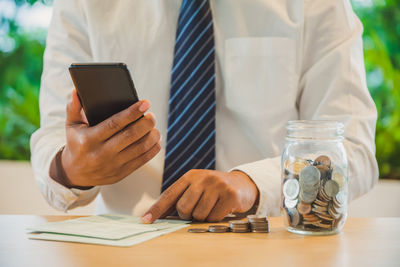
[(74, 111)]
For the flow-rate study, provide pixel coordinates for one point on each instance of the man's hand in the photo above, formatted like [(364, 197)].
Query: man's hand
[(109, 151), (205, 195)]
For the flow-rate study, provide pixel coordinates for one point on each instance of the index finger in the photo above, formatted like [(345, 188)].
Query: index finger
[(167, 200), (120, 120)]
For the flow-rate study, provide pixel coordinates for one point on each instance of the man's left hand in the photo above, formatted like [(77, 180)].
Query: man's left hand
[(205, 195)]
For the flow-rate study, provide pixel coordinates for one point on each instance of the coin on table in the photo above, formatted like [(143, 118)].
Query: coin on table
[(260, 230), (197, 230), (309, 176), (239, 223), (239, 226), (218, 228), (240, 230), (322, 160), (259, 225), (331, 188), (291, 188), (256, 218)]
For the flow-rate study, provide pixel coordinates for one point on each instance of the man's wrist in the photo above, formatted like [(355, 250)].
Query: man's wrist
[(57, 172), (254, 207)]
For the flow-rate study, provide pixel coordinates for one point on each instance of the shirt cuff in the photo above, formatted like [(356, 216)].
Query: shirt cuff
[(266, 174), (61, 197)]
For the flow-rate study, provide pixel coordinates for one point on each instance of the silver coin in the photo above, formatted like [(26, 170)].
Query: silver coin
[(238, 223), (339, 178), (308, 197), (218, 228), (294, 217), (259, 224), (340, 198), (260, 228), (333, 212), (311, 188), (291, 189), (197, 230), (240, 230), (291, 203), (309, 176), (323, 196), (331, 188), (256, 218)]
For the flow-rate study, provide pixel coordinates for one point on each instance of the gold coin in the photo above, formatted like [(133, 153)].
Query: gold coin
[(325, 217), (324, 225), (339, 179), (297, 166), (310, 218), (320, 203)]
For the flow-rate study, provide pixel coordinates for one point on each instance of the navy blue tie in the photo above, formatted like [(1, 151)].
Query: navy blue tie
[(191, 116)]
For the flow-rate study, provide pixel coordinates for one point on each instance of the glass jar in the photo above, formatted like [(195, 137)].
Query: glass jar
[(314, 178)]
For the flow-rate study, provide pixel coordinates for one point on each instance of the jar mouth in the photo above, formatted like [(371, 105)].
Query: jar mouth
[(315, 129)]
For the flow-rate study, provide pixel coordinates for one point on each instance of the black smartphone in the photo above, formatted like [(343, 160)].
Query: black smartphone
[(103, 89)]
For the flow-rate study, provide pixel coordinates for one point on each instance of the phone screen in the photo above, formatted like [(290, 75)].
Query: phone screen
[(103, 88)]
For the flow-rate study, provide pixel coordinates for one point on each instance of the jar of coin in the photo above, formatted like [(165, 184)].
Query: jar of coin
[(314, 178)]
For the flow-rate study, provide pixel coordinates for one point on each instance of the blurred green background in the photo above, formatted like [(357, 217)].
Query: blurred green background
[(22, 41)]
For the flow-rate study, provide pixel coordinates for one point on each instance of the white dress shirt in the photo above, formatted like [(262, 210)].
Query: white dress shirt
[(275, 61)]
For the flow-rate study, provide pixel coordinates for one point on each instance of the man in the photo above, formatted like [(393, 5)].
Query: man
[(223, 78)]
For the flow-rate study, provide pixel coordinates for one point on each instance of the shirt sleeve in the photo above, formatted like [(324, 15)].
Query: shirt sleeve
[(332, 86), (67, 42)]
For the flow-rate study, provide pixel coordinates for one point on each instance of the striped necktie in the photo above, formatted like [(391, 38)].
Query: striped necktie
[(191, 116)]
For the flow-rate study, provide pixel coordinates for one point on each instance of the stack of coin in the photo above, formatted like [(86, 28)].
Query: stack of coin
[(239, 226), (258, 224), (309, 180), (314, 195), (218, 229), (197, 230)]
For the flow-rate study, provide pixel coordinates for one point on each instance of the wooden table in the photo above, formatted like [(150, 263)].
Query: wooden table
[(363, 242)]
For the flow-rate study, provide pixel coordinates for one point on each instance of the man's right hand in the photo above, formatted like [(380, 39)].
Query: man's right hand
[(109, 151)]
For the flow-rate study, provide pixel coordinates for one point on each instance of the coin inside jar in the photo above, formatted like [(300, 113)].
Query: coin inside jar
[(297, 166), (304, 208), (291, 189), (294, 217), (331, 188), (309, 176), (325, 172), (338, 177), (323, 160)]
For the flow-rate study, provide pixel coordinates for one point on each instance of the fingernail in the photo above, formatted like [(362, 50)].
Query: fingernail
[(147, 218), (144, 106)]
